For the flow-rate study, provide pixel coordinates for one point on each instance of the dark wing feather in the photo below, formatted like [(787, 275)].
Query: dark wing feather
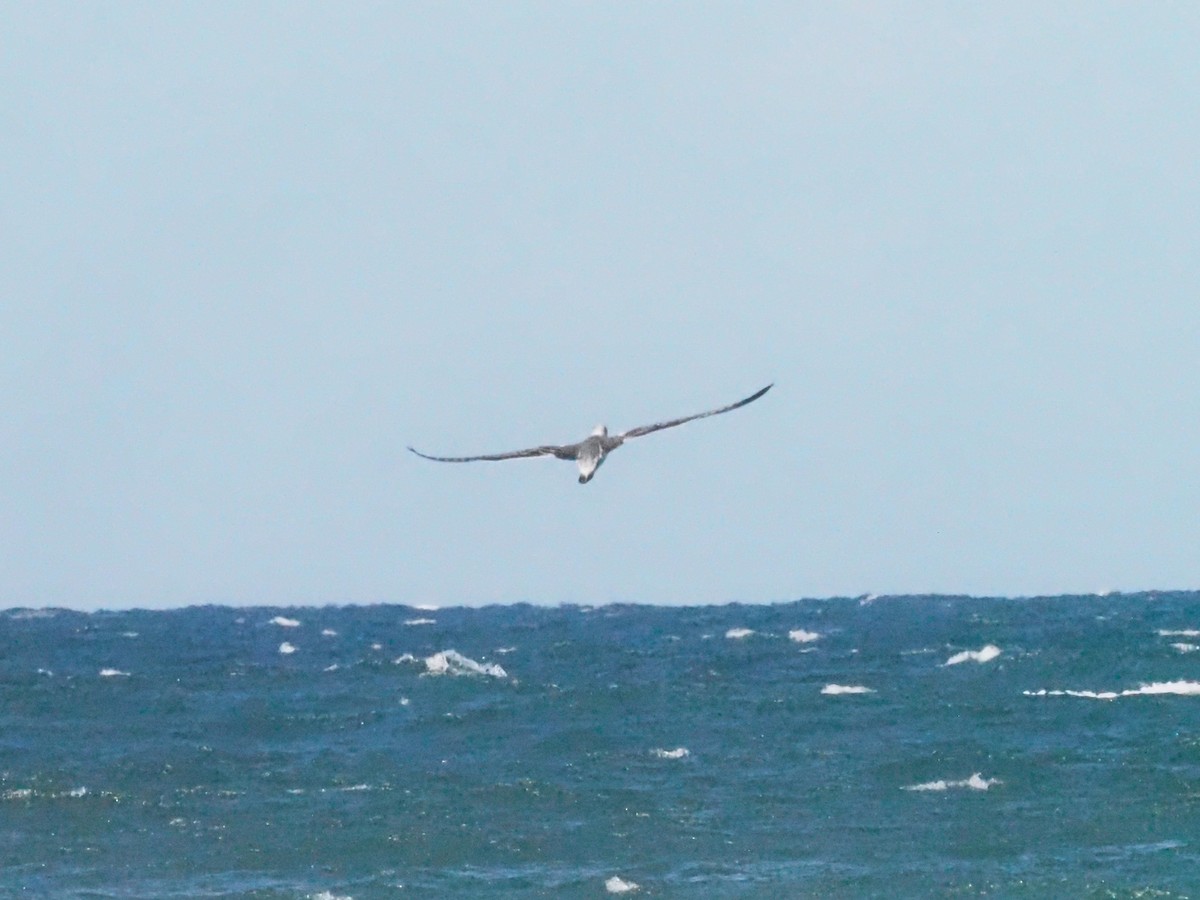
[(547, 450), (671, 423)]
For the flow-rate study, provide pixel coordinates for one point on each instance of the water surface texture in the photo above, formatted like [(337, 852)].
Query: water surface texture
[(892, 746)]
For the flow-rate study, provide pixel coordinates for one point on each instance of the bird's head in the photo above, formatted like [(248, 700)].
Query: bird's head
[(600, 431)]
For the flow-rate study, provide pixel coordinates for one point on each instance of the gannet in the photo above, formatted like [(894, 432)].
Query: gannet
[(590, 453)]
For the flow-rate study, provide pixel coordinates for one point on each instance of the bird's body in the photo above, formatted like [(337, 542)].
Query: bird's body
[(590, 453)]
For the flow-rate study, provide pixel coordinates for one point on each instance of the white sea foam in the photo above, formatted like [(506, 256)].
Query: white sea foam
[(283, 622), (677, 753), (800, 636), (451, 662), (846, 689), (329, 895), (286, 648), (129, 634), (1186, 648), (113, 673), (505, 649), (328, 632), (618, 885), (1183, 632), (17, 794), (1183, 688), (976, 783), (986, 654), (405, 658), (739, 633), (420, 621), (331, 668)]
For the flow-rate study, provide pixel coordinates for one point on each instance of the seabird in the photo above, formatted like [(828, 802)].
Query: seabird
[(591, 452)]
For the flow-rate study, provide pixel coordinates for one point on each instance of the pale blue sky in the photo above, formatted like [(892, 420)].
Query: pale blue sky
[(251, 251)]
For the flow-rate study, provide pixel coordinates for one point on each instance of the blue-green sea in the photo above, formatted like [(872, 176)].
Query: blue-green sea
[(849, 747)]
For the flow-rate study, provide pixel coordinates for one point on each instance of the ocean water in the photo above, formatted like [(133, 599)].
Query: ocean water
[(873, 747)]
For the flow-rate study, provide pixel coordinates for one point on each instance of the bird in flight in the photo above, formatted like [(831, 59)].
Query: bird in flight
[(589, 453)]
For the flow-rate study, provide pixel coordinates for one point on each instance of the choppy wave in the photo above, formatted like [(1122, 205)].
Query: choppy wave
[(835, 689), (618, 885), (451, 662), (1184, 688), (736, 634), (976, 783), (113, 673), (285, 648), (677, 753), (984, 654), (800, 636), (284, 622)]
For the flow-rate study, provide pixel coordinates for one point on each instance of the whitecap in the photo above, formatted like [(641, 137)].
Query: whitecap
[(618, 885), (677, 753), (800, 636), (986, 654), (451, 662), (329, 895), (1182, 632), (331, 668), (505, 649), (283, 622), (1182, 688), (113, 673), (1168, 687), (735, 634), (328, 632), (129, 634), (286, 648), (405, 658), (976, 783), (1186, 648), (420, 621), (835, 689)]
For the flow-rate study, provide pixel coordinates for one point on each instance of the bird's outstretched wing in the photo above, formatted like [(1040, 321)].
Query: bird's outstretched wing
[(671, 423), (566, 451)]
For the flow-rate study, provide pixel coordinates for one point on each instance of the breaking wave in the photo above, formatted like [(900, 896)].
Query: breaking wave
[(451, 662)]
